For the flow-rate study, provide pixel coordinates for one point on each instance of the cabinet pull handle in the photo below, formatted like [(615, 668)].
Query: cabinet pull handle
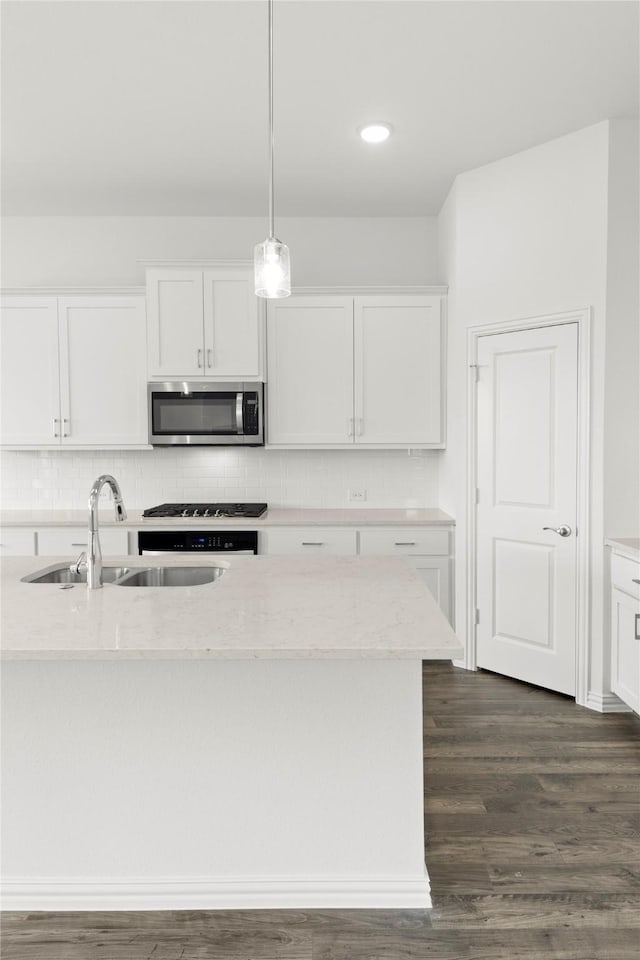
[(64, 432), (637, 626), (633, 580), (405, 543), (79, 544), (350, 427), (313, 543), (200, 358), (360, 427), (209, 358), (55, 432)]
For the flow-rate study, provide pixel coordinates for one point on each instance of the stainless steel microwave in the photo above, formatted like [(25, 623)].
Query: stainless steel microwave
[(200, 413)]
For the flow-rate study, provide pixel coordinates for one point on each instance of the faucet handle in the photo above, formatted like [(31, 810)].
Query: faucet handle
[(80, 562)]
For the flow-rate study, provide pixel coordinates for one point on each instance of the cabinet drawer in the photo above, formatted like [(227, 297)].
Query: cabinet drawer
[(406, 541), (314, 541), (625, 575), (17, 542), (54, 541)]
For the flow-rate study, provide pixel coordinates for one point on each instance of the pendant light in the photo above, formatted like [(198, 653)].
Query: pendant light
[(271, 258)]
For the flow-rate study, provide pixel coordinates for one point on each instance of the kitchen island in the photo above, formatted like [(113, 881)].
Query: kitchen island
[(251, 742)]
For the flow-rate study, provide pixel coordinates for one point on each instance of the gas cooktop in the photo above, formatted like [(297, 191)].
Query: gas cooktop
[(206, 511)]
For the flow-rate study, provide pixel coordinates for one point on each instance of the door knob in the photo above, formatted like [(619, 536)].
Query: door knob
[(563, 531)]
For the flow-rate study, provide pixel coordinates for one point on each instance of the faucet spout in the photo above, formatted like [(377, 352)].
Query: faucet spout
[(94, 558)]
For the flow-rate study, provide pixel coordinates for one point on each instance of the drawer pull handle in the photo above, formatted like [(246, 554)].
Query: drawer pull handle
[(313, 543), (633, 580), (78, 544), (405, 543), (637, 626)]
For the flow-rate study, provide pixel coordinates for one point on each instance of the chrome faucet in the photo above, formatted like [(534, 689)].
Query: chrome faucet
[(94, 558)]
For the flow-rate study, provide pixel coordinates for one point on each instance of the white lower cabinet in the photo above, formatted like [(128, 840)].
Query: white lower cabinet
[(428, 549), (313, 541), (625, 630), (17, 542), (71, 541)]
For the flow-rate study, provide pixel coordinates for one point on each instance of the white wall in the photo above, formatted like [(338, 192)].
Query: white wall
[(525, 237), (622, 370), (95, 251)]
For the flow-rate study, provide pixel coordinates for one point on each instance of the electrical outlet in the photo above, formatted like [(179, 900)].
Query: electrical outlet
[(357, 494)]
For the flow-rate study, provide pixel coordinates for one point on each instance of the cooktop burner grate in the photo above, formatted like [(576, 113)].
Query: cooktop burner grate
[(204, 511)]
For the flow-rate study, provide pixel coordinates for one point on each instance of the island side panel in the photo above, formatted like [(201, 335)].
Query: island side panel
[(202, 784)]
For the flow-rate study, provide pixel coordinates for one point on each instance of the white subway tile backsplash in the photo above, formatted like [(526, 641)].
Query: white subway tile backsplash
[(306, 478)]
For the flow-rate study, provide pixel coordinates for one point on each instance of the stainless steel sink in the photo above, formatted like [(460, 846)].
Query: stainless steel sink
[(62, 573), (171, 576)]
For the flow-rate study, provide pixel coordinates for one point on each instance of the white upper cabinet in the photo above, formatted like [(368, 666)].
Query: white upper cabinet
[(397, 378), (73, 371), (310, 370), (30, 381), (203, 323), (103, 371), (355, 371)]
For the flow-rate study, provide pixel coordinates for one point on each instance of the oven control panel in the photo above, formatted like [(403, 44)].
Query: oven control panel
[(197, 541)]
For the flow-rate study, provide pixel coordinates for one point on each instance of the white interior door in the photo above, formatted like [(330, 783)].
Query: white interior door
[(526, 579)]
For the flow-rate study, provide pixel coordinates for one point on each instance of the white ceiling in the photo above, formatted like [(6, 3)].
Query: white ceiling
[(149, 107)]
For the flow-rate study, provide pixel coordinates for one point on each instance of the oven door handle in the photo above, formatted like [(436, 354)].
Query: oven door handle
[(239, 420)]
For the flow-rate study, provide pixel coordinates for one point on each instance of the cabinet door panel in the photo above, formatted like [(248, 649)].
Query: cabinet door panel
[(103, 370), (625, 665), (231, 325), (398, 370), (176, 323), (435, 571), (310, 371), (29, 378)]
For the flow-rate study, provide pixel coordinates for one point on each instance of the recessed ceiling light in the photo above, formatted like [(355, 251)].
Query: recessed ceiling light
[(375, 132)]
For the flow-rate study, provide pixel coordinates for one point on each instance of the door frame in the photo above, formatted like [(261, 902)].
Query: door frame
[(581, 317)]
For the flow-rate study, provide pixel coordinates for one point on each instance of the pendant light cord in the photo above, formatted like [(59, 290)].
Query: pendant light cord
[(270, 9)]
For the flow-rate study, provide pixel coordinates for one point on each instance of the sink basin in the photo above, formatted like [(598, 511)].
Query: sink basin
[(171, 576), (61, 573)]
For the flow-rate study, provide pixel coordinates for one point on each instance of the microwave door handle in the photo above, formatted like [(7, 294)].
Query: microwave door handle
[(239, 423)]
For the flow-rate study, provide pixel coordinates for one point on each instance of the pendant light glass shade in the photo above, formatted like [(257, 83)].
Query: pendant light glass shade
[(272, 269)]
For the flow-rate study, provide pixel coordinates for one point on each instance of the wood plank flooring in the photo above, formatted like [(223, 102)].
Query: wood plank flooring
[(532, 813)]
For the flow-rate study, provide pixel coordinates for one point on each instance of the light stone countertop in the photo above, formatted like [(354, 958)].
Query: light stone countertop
[(274, 517), (629, 548), (284, 607)]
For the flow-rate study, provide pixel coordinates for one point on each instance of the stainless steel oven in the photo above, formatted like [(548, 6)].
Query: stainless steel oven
[(156, 542), (199, 413)]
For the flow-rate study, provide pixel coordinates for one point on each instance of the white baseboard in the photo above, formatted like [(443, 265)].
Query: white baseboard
[(224, 894), (606, 703)]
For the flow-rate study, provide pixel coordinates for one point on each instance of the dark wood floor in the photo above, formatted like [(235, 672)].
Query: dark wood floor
[(533, 838)]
